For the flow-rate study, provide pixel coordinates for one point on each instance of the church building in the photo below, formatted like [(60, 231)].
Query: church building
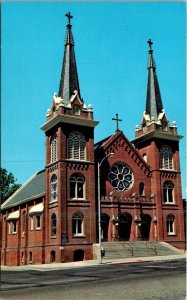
[(131, 189)]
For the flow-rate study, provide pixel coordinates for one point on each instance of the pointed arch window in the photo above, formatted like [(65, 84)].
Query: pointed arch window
[(166, 158), (53, 225), (77, 186), (54, 149), (54, 188), (78, 224), (170, 225), (168, 188), (76, 146)]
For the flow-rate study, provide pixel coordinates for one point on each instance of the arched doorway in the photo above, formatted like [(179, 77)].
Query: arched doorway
[(78, 255), (104, 226), (145, 227), (124, 226)]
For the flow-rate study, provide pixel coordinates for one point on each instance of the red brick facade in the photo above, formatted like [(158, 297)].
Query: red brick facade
[(55, 217)]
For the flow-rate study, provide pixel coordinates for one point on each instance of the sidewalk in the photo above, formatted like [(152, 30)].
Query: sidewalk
[(88, 263)]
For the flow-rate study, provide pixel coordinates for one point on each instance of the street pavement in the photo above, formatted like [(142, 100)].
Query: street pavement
[(88, 263)]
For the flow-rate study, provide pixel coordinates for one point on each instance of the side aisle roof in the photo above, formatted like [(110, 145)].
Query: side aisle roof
[(32, 189)]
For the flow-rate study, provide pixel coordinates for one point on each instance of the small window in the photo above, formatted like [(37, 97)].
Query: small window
[(168, 188), (145, 157), (54, 149), (141, 189), (14, 227), (77, 186), (166, 158), (53, 225), (77, 224), (170, 225), (76, 110), (54, 188), (38, 222)]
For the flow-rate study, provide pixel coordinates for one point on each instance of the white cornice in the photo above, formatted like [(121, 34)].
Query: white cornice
[(69, 120)]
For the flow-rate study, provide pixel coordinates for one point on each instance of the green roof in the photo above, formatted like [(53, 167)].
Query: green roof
[(32, 189)]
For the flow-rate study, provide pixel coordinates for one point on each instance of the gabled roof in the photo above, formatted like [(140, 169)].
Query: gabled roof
[(32, 189), (107, 143)]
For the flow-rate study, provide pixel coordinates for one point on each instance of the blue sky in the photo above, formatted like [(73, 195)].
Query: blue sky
[(111, 52)]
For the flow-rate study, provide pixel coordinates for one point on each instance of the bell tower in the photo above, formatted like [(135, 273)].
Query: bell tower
[(158, 142), (70, 168)]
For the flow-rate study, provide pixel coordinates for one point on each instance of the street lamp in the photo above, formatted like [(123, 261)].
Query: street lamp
[(99, 202)]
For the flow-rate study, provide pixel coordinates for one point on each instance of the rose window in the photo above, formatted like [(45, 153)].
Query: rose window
[(120, 176)]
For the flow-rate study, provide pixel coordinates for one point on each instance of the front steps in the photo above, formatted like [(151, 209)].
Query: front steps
[(118, 250)]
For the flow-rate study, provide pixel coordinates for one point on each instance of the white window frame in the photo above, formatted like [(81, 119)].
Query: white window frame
[(54, 149), (53, 226), (76, 146), (166, 158), (168, 191), (38, 224), (79, 182), (78, 224), (14, 227), (54, 187), (170, 223)]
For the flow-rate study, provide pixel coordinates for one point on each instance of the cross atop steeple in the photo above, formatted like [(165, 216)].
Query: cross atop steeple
[(69, 16), (150, 44), (117, 120)]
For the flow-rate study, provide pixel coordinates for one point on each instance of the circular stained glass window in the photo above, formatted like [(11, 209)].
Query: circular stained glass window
[(121, 177)]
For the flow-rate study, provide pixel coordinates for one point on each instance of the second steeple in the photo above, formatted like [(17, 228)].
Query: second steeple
[(69, 77)]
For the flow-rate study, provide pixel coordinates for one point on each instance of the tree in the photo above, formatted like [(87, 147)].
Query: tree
[(8, 184)]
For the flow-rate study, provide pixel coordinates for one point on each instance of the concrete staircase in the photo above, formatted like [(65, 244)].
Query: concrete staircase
[(117, 250)]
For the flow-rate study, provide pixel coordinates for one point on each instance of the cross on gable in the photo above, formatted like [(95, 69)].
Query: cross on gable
[(69, 16), (117, 121)]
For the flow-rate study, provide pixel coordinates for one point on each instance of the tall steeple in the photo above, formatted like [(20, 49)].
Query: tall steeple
[(153, 100), (69, 77)]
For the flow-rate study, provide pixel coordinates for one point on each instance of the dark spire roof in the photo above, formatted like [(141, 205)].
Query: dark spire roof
[(69, 77), (154, 101)]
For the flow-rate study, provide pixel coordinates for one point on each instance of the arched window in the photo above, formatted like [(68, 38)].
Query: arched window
[(141, 189), (76, 146), (77, 186), (168, 187), (145, 157), (166, 158), (170, 224), (78, 224), (54, 149), (53, 224), (53, 187)]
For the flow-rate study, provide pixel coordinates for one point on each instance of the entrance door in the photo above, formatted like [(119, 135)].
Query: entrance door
[(124, 227), (145, 227)]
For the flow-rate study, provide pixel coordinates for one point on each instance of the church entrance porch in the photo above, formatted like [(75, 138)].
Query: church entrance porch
[(124, 226), (144, 227)]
